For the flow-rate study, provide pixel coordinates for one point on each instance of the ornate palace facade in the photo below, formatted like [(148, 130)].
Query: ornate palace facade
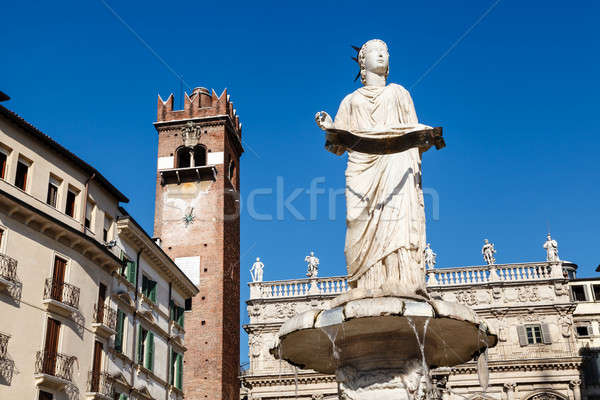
[(546, 321)]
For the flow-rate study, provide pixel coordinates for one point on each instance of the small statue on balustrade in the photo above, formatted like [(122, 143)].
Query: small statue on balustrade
[(551, 247), (488, 252), (430, 257), (257, 270), (313, 265)]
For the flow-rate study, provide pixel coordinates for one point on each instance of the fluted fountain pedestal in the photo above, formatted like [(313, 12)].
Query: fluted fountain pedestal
[(380, 346)]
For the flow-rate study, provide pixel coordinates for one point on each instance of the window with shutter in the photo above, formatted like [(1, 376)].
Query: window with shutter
[(534, 334), (142, 333), (179, 376), (546, 336), (180, 317), (120, 328), (149, 288), (131, 272), (522, 335), (172, 367), (152, 295), (149, 356)]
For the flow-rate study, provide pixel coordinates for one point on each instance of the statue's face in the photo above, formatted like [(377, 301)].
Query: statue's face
[(377, 58)]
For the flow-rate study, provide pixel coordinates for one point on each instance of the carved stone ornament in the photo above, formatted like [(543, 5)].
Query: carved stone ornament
[(285, 310), (560, 289), (545, 396), (190, 134), (526, 294), (531, 316), (255, 310), (468, 297), (565, 321), (497, 293)]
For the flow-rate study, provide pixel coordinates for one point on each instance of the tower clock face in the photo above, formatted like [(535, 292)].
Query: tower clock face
[(182, 202)]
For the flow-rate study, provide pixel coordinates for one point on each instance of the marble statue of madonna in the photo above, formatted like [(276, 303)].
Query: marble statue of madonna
[(385, 216)]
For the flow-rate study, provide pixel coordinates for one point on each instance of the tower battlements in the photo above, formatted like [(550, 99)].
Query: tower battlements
[(199, 104)]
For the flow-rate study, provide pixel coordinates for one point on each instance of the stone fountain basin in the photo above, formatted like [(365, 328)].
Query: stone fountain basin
[(377, 333)]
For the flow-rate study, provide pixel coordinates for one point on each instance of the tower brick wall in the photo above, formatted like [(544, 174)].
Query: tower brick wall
[(197, 219)]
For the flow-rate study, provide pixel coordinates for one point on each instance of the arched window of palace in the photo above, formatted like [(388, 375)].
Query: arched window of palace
[(188, 157), (199, 155), (183, 159)]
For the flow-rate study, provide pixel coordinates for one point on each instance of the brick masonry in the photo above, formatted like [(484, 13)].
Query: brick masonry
[(211, 363)]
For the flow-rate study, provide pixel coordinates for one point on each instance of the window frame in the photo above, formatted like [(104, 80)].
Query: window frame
[(583, 324), (120, 331), (583, 291), (55, 182), (4, 163), (90, 221), (533, 334), (596, 291), (75, 193), (145, 348), (149, 288), (27, 178)]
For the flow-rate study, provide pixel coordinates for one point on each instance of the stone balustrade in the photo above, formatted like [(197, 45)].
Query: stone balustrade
[(436, 277), (494, 273), (298, 288)]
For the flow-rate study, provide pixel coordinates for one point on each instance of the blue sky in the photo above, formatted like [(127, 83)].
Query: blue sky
[(517, 98)]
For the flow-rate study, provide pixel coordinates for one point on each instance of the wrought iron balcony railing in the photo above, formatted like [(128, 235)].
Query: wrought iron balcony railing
[(3, 344), (62, 292), (100, 382), (55, 364), (105, 315), (8, 268)]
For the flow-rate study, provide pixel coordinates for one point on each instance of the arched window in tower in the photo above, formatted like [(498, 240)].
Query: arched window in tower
[(183, 159), (199, 156)]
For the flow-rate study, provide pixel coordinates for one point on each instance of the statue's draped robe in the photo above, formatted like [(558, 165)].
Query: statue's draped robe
[(384, 200)]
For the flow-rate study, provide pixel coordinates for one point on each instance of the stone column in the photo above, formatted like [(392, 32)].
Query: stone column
[(511, 389), (575, 386)]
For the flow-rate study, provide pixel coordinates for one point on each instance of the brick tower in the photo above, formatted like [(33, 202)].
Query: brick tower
[(197, 221)]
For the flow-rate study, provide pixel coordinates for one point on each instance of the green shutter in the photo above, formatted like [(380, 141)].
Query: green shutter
[(119, 335), (152, 295), (179, 377), (140, 356), (122, 396), (172, 309), (131, 272), (172, 369), (149, 361), (181, 314)]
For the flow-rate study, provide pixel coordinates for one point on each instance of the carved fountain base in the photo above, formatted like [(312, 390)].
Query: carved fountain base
[(381, 346)]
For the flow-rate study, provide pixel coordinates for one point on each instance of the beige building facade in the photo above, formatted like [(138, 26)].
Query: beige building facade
[(91, 306), (548, 337)]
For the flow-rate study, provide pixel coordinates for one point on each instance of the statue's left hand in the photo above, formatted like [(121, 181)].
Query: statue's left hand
[(323, 120)]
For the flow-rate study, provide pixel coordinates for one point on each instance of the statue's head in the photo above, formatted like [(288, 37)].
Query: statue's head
[(312, 253), (374, 57), (257, 258), (548, 236), (485, 241)]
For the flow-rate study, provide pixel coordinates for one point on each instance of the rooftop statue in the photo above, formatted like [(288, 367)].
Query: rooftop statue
[(385, 215), (488, 252), (430, 257), (313, 265), (551, 247), (257, 270)]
